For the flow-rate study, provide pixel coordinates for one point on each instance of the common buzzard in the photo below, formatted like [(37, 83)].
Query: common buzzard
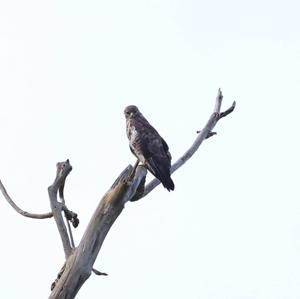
[(148, 146)]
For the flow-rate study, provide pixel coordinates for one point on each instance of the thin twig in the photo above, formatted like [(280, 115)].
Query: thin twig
[(228, 111), (19, 210), (70, 233), (62, 198), (98, 272)]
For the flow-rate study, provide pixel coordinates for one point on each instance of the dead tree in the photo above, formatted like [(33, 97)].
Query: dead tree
[(79, 261)]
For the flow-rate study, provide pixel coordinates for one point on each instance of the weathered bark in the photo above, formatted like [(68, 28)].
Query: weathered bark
[(127, 187), (80, 263)]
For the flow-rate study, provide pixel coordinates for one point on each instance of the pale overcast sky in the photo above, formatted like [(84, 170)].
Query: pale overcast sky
[(231, 228)]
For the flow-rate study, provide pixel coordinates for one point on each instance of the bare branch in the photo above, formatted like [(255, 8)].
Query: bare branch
[(205, 133), (69, 215), (70, 232), (19, 210), (228, 111), (63, 169)]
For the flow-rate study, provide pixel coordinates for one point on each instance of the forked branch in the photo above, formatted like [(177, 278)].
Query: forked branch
[(79, 265), (62, 171), (203, 134)]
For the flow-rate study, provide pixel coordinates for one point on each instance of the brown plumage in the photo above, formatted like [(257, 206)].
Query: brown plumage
[(148, 146)]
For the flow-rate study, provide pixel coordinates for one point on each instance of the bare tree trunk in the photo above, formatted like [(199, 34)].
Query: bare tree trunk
[(79, 265)]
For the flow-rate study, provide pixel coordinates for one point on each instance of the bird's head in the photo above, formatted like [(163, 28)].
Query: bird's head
[(131, 111)]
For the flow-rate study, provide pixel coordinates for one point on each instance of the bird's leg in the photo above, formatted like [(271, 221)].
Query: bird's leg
[(131, 176)]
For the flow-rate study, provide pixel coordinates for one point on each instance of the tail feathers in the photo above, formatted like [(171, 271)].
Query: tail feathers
[(168, 183), (162, 173)]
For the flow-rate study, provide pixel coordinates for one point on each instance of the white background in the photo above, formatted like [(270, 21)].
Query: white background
[(231, 228)]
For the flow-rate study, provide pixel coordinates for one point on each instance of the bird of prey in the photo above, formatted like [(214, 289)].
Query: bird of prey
[(148, 146)]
